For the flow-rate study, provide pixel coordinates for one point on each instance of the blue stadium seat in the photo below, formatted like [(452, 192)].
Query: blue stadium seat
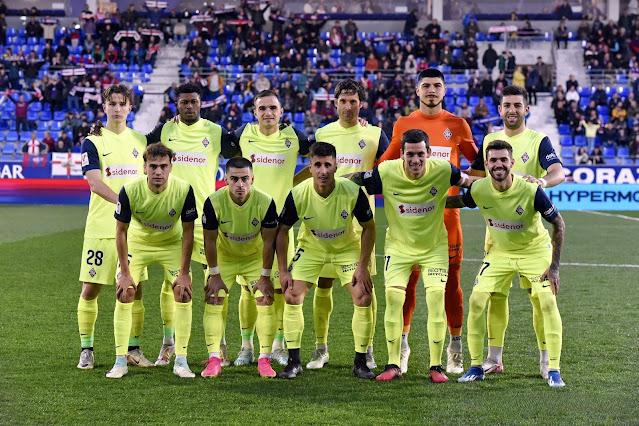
[(488, 100), (448, 79), (566, 140), (35, 107), (580, 140), (609, 152), (147, 68), (1, 136), (473, 100), (568, 160), (58, 116), (564, 129), (461, 92), (623, 91), (46, 115), (192, 34), (456, 53), (40, 135), (566, 152), (450, 91), (11, 136), (621, 79), (89, 115), (460, 79), (623, 152), (298, 117), (56, 126), (32, 116), (9, 148), (360, 61), (55, 135), (4, 125), (445, 69), (7, 115), (247, 117)]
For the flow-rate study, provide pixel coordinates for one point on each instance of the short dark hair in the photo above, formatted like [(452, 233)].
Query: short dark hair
[(350, 86), (265, 94), (238, 163), (119, 89), (322, 149), (497, 145), (514, 90), (430, 73), (157, 150), (188, 88), (415, 136)]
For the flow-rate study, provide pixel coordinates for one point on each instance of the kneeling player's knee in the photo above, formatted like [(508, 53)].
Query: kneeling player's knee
[(262, 301), (127, 296), (362, 300)]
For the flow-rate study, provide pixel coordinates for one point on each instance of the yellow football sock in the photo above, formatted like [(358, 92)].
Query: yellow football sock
[(362, 324), (183, 320), (225, 312), (265, 327), (374, 312), (122, 318), (167, 309), (394, 322), (538, 321), (87, 315), (497, 319), (248, 314), (293, 325), (476, 324), (278, 304), (322, 308), (552, 327), (436, 325), (213, 324), (137, 323)]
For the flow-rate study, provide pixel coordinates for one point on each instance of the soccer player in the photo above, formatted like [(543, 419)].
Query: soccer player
[(273, 152), (537, 162), (152, 206), (414, 188), (240, 224), (326, 205), (358, 147), (512, 209), (108, 162), (450, 137)]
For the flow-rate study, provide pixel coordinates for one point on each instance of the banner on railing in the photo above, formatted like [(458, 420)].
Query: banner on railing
[(591, 196), (66, 164), (602, 174), (158, 4)]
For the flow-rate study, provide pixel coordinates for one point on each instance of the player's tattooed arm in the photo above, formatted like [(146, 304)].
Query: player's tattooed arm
[(356, 177), (558, 233)]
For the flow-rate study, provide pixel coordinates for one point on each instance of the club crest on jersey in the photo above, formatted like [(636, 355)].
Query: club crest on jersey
[(447, 133), (525, 157), (519, 210), (433, 191), (172, 212), (205, 142), (362, 144), (92, 272), (287, 142), (255, 222), (344, 214), (135, 153)]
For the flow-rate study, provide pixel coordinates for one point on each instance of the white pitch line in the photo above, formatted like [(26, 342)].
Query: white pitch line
[(614, 265), (620, 216)]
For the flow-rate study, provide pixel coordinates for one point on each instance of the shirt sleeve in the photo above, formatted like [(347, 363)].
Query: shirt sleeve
[(209, 218), (393, 150), (382, 146), (362, 210), (229, 145), (372, 181), (305, 143), (544, 206), (189, 211), (237, 134), (455, 175), (547, 154), (467, 198), (90, 158), (478, 162), (155, 135), (123, 207), (289, 215), (270, 219)]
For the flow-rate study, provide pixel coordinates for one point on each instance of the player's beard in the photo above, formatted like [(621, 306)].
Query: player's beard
[(504, 175), (431, 102), (517, 125)]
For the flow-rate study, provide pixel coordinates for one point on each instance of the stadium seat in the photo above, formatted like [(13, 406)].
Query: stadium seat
[(461, 92), (473, 101), (56, 126), (11, 136), (450, 91), (566, 152), (564, 129), (46, 115), (2, 137), (580, 140), (621, 79), (247, 117), (32, 116), (609, 152), (566, 141), (35, 107), (9, 148), (40, 135), (568, 161), (623, 152), (448, 79), (460, 79), (7, 115), (25, 137), (58, 115), (131, 116), (623, 91), (298, 117)]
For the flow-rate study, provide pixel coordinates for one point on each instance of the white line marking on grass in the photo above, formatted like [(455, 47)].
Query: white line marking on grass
[(620, 216), (613, 265)]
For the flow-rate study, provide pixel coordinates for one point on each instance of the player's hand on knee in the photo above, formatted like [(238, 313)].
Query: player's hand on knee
[(552, 275), (213, 286), (125, 282), (183, 287), (286, 281), (362, 278), (265, 285), (96, 129)]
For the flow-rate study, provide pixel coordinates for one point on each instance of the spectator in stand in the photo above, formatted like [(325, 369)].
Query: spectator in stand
[(64, 143), (63, 50), (3, 29), (592, 106), (48, 28), (372, 64), (576, 119), (70, 122), (613, 101), (597, 157), (81, 132), (312, 121), (481, 110), (433, 30), (572, 95), (583, 31), (532, 83), (633, 147), (582, 156), (511, 64), (410, 66), (564, 11), (411, 23), (464, 111), (21, 113), (33, 28), (474, 85), (618, 112), (561, 34), (591, 127), (130, 18), (88, 45), (111, 54), (519, 78), (48, 141), (489, 59), (471, 29), (215, 83), (179, 34), (572, 81), (34, 146), (486, 85), (600, 96)]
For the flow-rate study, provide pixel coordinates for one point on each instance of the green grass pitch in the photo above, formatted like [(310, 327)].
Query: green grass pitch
[(39, 383)]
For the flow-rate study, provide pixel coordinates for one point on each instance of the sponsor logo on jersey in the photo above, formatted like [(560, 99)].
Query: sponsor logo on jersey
[(266, 159), (240, 238), (135, 153), (525, 157), (551, 156), (505, 225), (203, 218), (344, 214), (172, 212), (85, 159), (255, 222), (351, 267), (192, 158), (190, 211), (440, 152), (205, 142), (288, 143), (328, 234), (121, 171), (362, 144), (447, 133), (405, 209), (350, 160), (519, 210), (157, 226), (433, 191)]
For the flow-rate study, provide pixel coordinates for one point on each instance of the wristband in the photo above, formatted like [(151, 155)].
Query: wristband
[(543, 182), (214, 270), (266, 272)]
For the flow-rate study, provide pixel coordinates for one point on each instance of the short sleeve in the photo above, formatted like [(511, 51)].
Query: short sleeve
[(467, 198), (270, 219), (230, 147), (305, 143), (382, 145), (155, 135), (455, 175), (289, 215), (189, 211), (90, 157), (544, 206), (362, 210), (372, 181), (123, 207), (547, 154), (237, 134), (209, 217)]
